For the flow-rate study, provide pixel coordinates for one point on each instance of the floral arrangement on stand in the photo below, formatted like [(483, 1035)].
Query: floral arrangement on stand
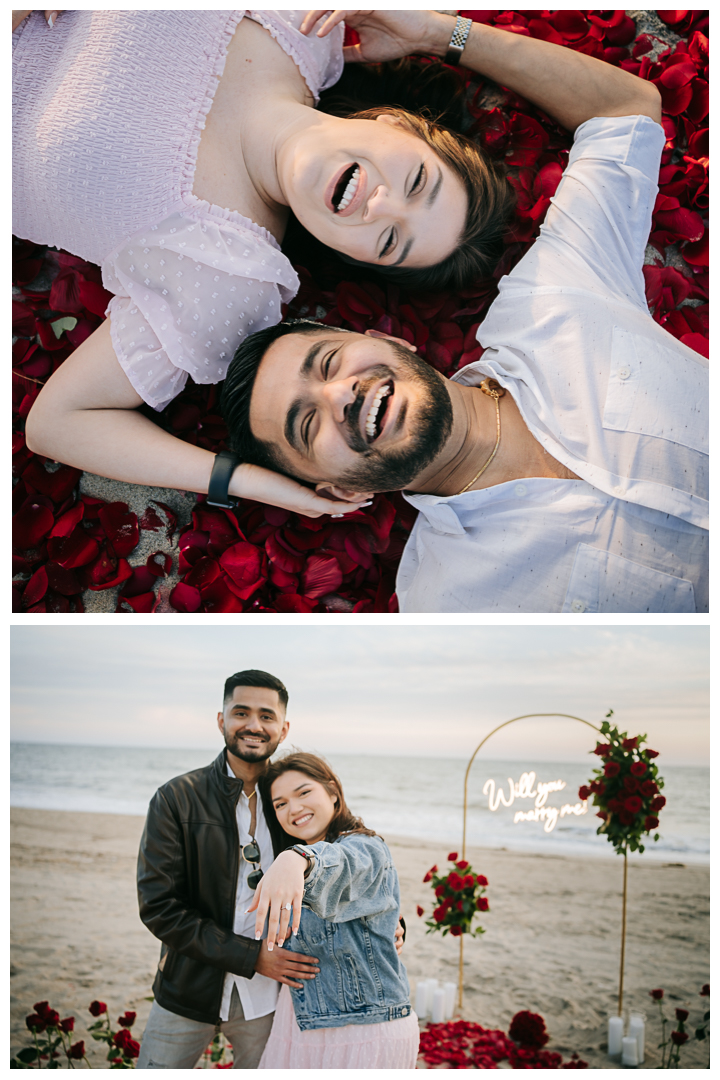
[(671, 1046), (626, 790), (461, 1044), (73, 549), (461, 896)]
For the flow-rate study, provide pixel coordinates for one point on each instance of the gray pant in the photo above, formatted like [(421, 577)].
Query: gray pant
[(174, 1042)]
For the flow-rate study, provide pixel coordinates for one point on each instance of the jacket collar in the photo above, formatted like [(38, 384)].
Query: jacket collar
[(230, 786)]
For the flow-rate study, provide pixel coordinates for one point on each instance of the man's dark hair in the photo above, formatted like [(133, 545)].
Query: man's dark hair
[(254, 678), (238, 386)]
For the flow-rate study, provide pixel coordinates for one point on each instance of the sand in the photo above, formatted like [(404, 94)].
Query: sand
[(552, 941)]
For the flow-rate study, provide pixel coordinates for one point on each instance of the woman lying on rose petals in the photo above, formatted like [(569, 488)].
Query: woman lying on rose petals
[(170, 147)]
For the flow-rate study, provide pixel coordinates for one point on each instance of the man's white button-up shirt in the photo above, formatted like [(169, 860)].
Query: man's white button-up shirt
[(258, 995), (608, 393)]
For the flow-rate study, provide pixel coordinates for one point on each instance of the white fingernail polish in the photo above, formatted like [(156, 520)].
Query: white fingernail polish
[(337, 515), (270, 946), (295, 933)]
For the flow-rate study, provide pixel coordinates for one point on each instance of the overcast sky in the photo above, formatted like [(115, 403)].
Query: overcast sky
[(422, 691)]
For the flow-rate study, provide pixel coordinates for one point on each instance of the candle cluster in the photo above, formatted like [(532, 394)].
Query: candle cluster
[(629, 1048), (435, 1001)]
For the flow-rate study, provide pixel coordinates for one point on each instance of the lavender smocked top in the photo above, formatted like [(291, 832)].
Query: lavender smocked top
[(108, 108)]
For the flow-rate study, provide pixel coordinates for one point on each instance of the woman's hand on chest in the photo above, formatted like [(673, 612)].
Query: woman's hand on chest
[(280, 890)]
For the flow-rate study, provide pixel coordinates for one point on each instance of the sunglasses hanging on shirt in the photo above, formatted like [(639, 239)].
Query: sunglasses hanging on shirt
[(251, 853)]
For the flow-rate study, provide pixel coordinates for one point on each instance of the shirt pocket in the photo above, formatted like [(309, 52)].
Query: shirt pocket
[(606, 583), (656, 390)]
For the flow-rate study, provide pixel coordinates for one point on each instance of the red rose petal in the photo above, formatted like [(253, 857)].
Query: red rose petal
[(77, 549), (67, 522), (185, 598), (35, 588), (244, 564), (120, 526), (322, 575), (30, 525)]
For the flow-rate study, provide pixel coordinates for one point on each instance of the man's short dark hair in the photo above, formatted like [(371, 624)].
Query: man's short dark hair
[(254, 678), (238, 386)]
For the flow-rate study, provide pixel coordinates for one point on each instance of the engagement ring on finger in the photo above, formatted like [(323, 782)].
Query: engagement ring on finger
[(288, 907)]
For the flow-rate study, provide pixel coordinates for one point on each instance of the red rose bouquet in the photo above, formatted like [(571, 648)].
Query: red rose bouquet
[(460, 895), (626, 789)]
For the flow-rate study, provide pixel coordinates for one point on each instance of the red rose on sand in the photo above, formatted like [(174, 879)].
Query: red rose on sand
[(52, 1018), (482, 904), (657, 994), (440, 891), (456, 931), (127, 1019), (35, 1021), (125, 1042), (602, 749), (657, 804), (584, 793), (648, 787), (439, 914), (77, 1051), (630, 744), (682, 1014), (482, 880), (462, 865), (638, 768), (611, 768), (468, 881), (452, 856), (42, 1008), (651, 822), (528, 1029), (420, 911), (428, 876), (631, 784), (97, 1008), (455, 881), (679, 1037), (67, 1025), (705, 992), (652, 753)]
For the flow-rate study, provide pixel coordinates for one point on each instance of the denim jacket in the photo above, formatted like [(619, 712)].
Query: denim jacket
[(349, 914)]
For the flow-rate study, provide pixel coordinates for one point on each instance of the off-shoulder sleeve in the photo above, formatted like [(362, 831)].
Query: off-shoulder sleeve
[(187, 292)]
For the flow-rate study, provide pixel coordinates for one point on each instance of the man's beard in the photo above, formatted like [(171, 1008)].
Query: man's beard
[(249, 753), (390, 470)]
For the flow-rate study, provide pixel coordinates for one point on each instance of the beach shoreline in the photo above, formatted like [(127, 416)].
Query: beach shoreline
[(552, 942)]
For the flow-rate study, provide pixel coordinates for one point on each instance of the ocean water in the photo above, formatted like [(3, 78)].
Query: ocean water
[(414, 797)]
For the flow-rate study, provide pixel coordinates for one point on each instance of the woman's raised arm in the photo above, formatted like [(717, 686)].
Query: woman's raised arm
[(86, 415), (568, 85)]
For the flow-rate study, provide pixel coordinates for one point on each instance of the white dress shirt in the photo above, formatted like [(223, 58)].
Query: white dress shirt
[(258, 995), (605, 390)]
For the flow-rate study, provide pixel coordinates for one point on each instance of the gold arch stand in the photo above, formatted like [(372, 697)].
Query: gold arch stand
[(530, 716)]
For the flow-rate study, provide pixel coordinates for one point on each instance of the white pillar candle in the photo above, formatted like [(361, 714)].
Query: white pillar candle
[(431, 986), (615, 1035), (438, 1007), (450, 990), (629, 1050), (421, 999), (636, 1028)]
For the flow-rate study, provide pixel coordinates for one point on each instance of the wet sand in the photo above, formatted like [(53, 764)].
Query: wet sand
[(552, 943)]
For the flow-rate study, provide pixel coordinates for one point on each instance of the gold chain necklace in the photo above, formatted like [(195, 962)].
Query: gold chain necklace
[(494, 390)]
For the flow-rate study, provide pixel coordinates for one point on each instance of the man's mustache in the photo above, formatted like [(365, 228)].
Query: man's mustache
[(352, 417), (253, 734)]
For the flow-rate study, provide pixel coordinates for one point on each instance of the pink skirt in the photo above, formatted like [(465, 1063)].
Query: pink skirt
[(393, 1044)]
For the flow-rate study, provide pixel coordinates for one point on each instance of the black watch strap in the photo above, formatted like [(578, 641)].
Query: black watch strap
[(223, 467)]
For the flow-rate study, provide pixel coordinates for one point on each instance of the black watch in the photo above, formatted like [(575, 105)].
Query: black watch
[(306, 855), (223, 467)]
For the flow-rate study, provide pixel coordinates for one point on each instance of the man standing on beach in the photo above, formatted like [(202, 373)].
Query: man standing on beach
[(195, 883)]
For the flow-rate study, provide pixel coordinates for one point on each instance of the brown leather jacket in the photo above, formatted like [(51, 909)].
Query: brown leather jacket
[(187, 878)]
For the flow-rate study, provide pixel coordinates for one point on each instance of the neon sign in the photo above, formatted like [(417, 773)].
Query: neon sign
[(527, 788)]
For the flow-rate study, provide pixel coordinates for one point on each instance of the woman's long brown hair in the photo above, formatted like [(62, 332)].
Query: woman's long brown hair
[(315, 768)]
